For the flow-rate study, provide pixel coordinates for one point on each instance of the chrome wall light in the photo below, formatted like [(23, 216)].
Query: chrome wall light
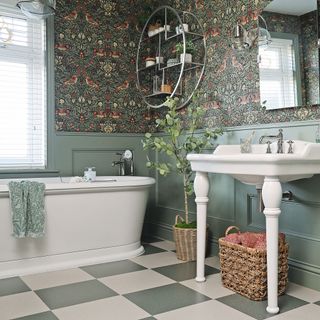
[(243, 39), (37, 9)]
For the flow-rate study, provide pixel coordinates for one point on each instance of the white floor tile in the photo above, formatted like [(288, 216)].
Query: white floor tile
[(212, 287), (136, 281), (56, 278), (157, 260), (213, 262), (165, 245), (209, 310), (307, 312), (303, 293), (116, 308), (21, 304)]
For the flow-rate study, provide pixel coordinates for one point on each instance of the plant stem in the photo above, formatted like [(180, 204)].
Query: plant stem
[(186, 207)]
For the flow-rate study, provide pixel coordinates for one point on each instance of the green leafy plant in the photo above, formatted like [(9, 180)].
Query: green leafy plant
[(190, 47), (181, 139)]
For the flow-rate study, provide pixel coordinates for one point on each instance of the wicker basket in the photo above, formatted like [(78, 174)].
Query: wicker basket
[(244, 270), (186, 242)]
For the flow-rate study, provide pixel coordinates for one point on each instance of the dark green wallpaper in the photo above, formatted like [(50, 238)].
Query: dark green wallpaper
[(96, 43)]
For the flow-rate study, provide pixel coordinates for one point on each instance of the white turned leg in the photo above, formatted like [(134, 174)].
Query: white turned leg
[(272, 195), (201, 188)]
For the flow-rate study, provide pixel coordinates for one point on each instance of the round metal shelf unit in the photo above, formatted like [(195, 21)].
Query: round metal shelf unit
[(163, 35)]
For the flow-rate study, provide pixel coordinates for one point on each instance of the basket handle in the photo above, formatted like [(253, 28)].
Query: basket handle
[(231, 228), (178, 218)]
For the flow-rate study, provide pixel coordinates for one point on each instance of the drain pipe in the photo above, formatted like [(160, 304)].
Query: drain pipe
[(287, 195)]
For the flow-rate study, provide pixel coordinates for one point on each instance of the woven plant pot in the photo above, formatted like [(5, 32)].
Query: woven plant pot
[(185, 241), (244, 270)]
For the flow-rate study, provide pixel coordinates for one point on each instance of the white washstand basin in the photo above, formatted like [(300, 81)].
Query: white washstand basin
[(261, 169)]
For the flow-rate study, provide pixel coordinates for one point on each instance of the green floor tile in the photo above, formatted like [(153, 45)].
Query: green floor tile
[(165, 298), (71, 294), (257, 309), (183, 271), (40, 316), (12, 286), (149, 249), (112, 268)]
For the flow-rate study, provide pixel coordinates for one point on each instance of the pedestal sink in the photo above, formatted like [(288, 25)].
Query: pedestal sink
[(256, 168)]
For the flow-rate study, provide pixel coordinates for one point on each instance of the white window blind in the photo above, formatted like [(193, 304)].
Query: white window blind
[(22, 91), (278, 85)]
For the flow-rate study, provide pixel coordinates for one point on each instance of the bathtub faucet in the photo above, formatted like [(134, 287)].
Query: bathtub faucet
[(126, 166)]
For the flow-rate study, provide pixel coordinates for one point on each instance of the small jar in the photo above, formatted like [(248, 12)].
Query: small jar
[(150, 62)]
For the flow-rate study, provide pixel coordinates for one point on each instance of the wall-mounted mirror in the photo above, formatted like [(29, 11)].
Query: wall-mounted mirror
[(289, 67)]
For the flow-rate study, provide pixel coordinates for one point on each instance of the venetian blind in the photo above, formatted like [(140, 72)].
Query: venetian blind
[(22, 91), (278, 75)]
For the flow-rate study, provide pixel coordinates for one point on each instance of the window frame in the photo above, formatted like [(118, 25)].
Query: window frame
[(50, 85)]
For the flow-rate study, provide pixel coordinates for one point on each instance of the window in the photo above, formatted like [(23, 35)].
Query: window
[(278, 75), (22, 91)]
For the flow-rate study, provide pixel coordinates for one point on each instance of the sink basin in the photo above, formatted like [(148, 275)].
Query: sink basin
[(251, 168)]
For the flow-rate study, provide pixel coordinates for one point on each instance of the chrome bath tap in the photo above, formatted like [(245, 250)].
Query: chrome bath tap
[(126, 166), (278, 137)]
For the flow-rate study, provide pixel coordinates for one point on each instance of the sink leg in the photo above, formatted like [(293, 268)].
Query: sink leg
[(201, 188), (272, 195)]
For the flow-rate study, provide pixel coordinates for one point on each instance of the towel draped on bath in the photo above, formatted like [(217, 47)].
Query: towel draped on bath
[(27, 205)]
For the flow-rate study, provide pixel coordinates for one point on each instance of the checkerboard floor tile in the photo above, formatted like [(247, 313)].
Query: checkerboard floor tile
[(155, 285)]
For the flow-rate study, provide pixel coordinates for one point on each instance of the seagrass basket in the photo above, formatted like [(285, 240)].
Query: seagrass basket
[(244, 270), (186, 241)]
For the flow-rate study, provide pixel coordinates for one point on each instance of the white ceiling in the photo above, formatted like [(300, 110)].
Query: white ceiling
[(293, 7)]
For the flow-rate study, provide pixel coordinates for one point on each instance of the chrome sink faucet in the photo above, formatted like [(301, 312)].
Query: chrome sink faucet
[(278, 137)]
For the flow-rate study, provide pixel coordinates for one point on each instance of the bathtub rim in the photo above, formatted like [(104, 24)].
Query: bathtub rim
[(122, 184)]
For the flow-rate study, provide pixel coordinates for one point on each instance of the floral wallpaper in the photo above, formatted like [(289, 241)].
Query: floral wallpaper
[(96, 43), (310, 56), (95, 50)]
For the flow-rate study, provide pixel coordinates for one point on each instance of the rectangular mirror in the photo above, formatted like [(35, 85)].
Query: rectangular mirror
[(289, 66)]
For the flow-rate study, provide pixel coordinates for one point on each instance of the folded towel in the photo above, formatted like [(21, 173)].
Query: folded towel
[(27, 205)]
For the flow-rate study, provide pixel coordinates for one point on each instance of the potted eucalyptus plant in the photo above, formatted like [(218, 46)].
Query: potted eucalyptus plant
[(190, 49), (180, 139)]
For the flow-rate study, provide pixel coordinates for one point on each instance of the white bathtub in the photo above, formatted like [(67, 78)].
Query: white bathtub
[(86, 223)]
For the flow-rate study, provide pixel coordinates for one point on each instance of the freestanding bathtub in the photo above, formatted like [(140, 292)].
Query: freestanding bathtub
[(86, 223)]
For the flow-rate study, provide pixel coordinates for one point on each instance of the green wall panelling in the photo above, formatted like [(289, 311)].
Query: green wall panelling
[(76, 151)]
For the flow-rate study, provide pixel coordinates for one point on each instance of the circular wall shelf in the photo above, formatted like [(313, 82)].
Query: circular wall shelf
[(160, 73)]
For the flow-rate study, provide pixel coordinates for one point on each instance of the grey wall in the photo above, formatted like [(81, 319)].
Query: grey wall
[(233, 203)]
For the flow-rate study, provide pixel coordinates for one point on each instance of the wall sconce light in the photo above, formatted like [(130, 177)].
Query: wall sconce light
[(37, 9), (243, 39), (240, 38)]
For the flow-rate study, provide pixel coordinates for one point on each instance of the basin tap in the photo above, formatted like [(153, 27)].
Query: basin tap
[(278, 137)]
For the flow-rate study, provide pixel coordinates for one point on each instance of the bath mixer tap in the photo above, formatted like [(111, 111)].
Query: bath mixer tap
[(126, 165), (278, 137)]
